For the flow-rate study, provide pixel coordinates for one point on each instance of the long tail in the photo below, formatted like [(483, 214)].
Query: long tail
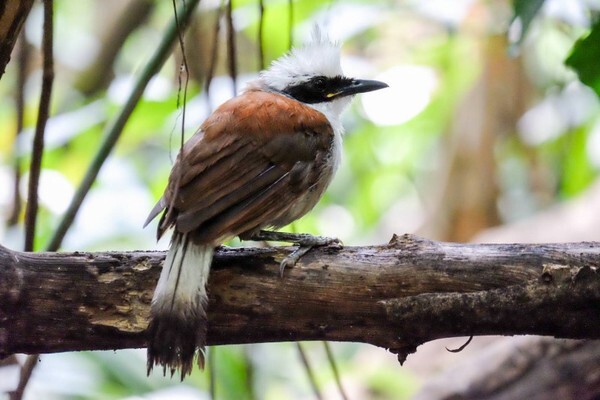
[(178, 314)]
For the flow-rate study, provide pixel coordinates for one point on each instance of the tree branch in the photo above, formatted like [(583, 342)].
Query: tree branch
[(13, 14), (395, 296), (37, 152)]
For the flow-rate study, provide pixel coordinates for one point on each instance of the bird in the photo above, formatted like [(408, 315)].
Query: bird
[(260, 161)]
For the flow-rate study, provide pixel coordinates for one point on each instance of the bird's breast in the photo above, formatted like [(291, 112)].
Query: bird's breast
[(310, 180)]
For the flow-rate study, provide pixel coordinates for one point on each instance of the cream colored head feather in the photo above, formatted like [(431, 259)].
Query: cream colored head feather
[(320, 57)]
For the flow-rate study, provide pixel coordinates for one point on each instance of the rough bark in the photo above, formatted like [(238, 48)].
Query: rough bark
[(12, 16), (395, 296)]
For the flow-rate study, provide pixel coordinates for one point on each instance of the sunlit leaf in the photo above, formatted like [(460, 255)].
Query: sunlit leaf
[(578, 173), (584, 58)]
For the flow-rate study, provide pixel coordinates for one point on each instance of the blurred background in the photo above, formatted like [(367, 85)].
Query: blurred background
[(485, 134)]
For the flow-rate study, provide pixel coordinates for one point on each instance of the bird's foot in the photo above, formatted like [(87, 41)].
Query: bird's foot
[(293, 258), (305, 242)]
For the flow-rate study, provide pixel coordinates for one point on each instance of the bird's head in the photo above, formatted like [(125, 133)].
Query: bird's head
[(313, 75)]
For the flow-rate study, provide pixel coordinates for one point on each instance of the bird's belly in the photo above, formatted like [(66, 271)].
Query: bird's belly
[(299, 208), (307, 200)]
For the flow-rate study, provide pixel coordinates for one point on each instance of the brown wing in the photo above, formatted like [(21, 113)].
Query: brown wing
[(244, 167)]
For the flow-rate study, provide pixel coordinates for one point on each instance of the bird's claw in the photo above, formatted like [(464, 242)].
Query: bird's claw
[(306, 243), (291, 260)]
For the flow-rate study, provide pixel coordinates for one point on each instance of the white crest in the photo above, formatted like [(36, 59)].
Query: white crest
[(319, 57)]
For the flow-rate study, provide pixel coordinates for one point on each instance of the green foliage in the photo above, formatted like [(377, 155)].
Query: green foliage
[(525, 11), (578, 172), (232, 372), (585, 58)]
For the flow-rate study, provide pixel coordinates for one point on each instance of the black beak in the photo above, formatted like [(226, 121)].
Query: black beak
[(356, 86)]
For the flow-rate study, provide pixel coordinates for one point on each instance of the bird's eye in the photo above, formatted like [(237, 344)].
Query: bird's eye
[(319, 82)]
